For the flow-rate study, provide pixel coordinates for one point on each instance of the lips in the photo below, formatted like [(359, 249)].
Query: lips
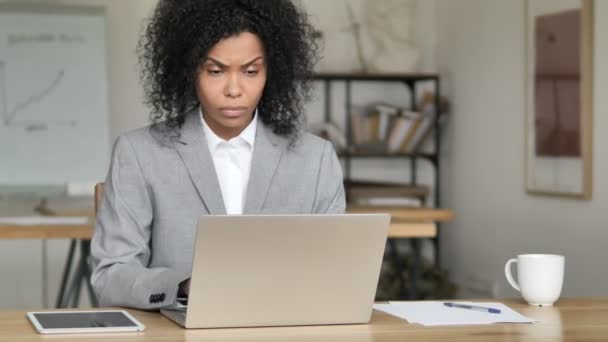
[(233, 111)]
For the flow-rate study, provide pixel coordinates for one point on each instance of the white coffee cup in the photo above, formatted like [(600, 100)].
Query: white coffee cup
[(540, 277)]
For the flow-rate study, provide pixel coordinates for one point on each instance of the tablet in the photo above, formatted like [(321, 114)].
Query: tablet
[(78, 322)]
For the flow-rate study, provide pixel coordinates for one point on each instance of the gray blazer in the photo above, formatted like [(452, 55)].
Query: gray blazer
[(154, 193)]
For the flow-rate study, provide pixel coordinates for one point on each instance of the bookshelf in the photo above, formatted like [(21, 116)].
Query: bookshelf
[(422, 223), (410, 81)]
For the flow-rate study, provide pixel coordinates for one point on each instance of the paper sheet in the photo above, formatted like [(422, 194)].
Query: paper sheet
[(432, 313)]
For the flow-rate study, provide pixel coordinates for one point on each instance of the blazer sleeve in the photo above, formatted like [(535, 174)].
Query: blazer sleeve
[(330, 197), (120, 247)]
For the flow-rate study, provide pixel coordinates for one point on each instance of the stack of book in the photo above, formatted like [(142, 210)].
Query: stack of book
[(363, 193), (384, 127)]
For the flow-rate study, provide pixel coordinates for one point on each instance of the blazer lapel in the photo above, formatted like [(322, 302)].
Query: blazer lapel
[(194, 151), (266, 157)]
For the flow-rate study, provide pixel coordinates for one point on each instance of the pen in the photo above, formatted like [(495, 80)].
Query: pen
[(472, 307)]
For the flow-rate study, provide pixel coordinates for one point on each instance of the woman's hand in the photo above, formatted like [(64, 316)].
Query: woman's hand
[(184, 288)]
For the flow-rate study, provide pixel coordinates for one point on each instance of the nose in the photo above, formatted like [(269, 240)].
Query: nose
[(233, 87)]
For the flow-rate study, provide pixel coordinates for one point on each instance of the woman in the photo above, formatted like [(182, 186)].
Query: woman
[(225, 81)]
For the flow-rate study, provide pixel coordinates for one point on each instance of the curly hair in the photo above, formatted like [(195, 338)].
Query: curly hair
[(181, 33)]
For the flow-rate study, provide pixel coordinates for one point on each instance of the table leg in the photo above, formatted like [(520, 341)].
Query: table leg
[(45, 275), (66, 275), (86, 251), (416, 268), (399, 267), (70, 300), (81, 273)]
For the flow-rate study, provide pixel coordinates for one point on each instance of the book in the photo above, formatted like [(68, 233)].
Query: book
[(360, 189), (356, 128), (373, 127), (384, 124), (429, 113), (386, 108), (386, 113), (403, 128), (417, 119), (389, 201), (424, 129), (365, 136)]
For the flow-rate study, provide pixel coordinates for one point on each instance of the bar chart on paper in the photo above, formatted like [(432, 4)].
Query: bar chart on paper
[(53, 94)]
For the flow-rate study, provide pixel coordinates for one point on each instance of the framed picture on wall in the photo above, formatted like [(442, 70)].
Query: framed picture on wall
[(559, 95)]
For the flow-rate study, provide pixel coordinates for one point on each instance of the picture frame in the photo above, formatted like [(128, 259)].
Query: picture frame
[(559, 98)]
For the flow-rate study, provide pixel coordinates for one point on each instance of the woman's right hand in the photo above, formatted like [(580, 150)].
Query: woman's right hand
[(184, 288)]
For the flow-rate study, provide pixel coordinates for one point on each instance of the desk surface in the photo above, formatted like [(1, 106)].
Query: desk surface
[(29, 232), (413, 223), (85, 231), (570, 320)]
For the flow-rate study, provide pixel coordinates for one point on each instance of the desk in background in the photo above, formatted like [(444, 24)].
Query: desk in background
[(414, 224), (570, 320), (411, 224), (79, 271), (75, 272)]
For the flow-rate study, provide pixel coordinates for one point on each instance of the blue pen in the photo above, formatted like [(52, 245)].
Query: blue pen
[(472, 307)]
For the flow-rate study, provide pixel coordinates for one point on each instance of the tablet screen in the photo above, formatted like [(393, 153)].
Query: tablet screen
[(60, 320)]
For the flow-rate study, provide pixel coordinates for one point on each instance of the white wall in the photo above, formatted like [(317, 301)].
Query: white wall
[(481, 57)]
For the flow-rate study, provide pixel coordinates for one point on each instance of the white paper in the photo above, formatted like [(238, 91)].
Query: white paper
[(44, 220), (436, 313)]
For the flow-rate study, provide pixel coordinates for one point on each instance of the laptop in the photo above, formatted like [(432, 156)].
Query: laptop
[(284, 270)]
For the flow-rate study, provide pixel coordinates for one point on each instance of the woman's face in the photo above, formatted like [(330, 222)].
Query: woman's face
[(230, 83)]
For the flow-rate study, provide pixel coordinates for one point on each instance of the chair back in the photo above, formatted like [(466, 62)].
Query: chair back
[(98, 196)]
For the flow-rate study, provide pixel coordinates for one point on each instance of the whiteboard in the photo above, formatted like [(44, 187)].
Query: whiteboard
[(54, 117)]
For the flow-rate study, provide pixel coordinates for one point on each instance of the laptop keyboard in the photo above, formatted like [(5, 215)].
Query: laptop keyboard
[(178, 316)]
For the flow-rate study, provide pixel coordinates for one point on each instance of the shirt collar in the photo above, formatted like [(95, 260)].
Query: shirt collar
[(248, 134)]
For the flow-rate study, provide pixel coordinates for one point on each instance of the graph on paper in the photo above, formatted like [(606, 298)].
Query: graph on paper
[(10, 116)]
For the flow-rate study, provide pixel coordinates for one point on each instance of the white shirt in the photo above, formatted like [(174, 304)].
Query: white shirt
[(232, 161)]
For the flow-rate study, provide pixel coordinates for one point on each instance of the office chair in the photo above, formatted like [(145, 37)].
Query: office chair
[(98, 196)]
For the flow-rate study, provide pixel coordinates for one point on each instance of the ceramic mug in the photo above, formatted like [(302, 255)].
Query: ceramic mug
[(540, 277)]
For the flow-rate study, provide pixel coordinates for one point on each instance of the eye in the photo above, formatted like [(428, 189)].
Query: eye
[(251, 72), (215, 72)]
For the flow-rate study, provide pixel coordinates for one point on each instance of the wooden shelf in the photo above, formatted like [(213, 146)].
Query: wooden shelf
[(375, 76), (406, 214), (409, 223), (412, 230), (362, 154)]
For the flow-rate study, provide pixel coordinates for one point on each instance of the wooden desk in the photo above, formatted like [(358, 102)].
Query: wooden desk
[(59, 206), (409, 223), (570, 320), (76, 271), (43, 232), (79, 271), (85, 231), (413, 224)]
